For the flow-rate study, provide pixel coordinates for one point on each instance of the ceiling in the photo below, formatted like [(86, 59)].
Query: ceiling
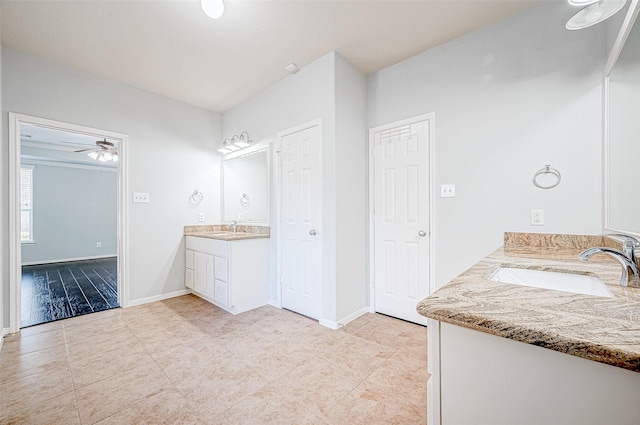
[(173, 49)]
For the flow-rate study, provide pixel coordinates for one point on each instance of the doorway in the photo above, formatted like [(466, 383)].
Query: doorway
[(67, 221), (300, 212), (401, 176)]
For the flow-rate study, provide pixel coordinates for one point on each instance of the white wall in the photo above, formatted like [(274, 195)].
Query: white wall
[(351, 249), (73, 209), (171, 153), (295, 100), (508, 99), (332, 90)]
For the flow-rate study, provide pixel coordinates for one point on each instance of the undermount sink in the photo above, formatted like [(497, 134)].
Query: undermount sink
[(567, 282)]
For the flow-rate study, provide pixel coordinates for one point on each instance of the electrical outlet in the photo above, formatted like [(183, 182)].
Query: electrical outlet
[(201, 217), (537, 217), (139, 197), (448, 191), (98, 244)]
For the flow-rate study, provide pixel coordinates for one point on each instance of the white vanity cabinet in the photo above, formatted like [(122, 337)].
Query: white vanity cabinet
[(230, 274)]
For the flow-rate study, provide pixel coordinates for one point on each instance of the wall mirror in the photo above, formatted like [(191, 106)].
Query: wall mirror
[(622, 129), (245, 187)]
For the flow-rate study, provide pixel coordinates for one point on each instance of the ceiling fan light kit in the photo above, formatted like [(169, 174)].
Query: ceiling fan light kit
[(594, 12), (103, 152)]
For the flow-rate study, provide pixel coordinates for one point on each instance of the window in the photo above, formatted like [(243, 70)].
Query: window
[(26, 204)]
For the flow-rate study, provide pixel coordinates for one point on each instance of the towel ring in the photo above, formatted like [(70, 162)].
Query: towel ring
[(196, 197), (547, 170), (244, 200)]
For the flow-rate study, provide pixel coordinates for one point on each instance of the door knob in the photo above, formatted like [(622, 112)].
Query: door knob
[(422, 233), (313, 232)]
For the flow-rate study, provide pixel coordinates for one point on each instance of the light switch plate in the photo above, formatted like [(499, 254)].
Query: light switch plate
[(139, 197), (448, 191)]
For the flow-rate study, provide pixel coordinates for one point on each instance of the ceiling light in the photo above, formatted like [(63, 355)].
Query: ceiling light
[(582, 2), (93, 155), (212, 8), (292, 68), (594, 14)]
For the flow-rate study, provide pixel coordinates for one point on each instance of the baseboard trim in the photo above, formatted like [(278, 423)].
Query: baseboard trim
[(133, 303), (354, 316), (329, 324), (274, 303), (66, 260)]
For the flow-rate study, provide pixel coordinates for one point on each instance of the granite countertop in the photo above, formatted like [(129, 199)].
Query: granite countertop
[(605, 330), (225, 232)]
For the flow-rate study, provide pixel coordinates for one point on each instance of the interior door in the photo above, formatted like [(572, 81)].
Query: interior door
[(301, 253), (401, 218)]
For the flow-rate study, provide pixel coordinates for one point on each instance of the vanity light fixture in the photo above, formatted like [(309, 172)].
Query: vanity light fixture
[(594, 13), (235, 143), (212, 8)]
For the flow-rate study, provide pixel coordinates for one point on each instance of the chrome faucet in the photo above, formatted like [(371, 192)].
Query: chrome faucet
[(627, 258), (234, 224)]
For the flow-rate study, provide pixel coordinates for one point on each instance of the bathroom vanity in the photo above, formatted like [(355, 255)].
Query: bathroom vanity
[(501, 353), (229, 269)]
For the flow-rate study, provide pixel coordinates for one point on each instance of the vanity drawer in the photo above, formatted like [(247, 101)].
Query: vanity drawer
[(209, 246), (221, 292), (221, 267)]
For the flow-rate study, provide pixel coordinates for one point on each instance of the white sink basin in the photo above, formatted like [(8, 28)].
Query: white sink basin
[(567, 282)]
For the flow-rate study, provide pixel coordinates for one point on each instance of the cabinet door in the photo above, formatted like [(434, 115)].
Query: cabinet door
[(221, 292), (204, 274), (222, 268), (188, 259)]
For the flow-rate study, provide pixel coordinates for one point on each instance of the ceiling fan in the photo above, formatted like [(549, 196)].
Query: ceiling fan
[(103, 151)]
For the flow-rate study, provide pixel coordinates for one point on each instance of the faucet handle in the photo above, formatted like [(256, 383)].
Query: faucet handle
[(629, 241), (629, 245)]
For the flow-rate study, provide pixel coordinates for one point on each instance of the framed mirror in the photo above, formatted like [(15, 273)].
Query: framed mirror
[(245, 187), (622, 128)]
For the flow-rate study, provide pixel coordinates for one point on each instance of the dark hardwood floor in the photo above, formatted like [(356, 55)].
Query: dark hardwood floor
[(62, 290)]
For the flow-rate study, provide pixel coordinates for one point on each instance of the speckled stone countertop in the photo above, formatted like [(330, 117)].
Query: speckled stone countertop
[(225, 232), (605, 330)]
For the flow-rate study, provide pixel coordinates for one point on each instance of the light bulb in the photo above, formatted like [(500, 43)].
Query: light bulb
[(93, 155), (212, 8)]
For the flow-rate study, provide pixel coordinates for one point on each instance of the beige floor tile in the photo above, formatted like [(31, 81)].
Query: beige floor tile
[(104, 398), (388, 332), (23, 344), (108, 340), (371, 405), (357, 355), (267, 406), (185, 361), (33, 389), (14, 366), (81, 332), (220, 386), (107, 363), (86, 319), (167, 407), (318, 385), (250, 339), (358, 323), (403, 376), (60, 410), (278, 358), (45, 327)]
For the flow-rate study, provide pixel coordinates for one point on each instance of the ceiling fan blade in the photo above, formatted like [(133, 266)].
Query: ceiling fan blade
[(86, 150)]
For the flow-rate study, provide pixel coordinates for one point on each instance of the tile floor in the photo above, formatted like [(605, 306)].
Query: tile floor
[(185, 361)]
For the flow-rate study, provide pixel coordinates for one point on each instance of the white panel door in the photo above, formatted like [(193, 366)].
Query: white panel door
[(401, 219), (301, 254)]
